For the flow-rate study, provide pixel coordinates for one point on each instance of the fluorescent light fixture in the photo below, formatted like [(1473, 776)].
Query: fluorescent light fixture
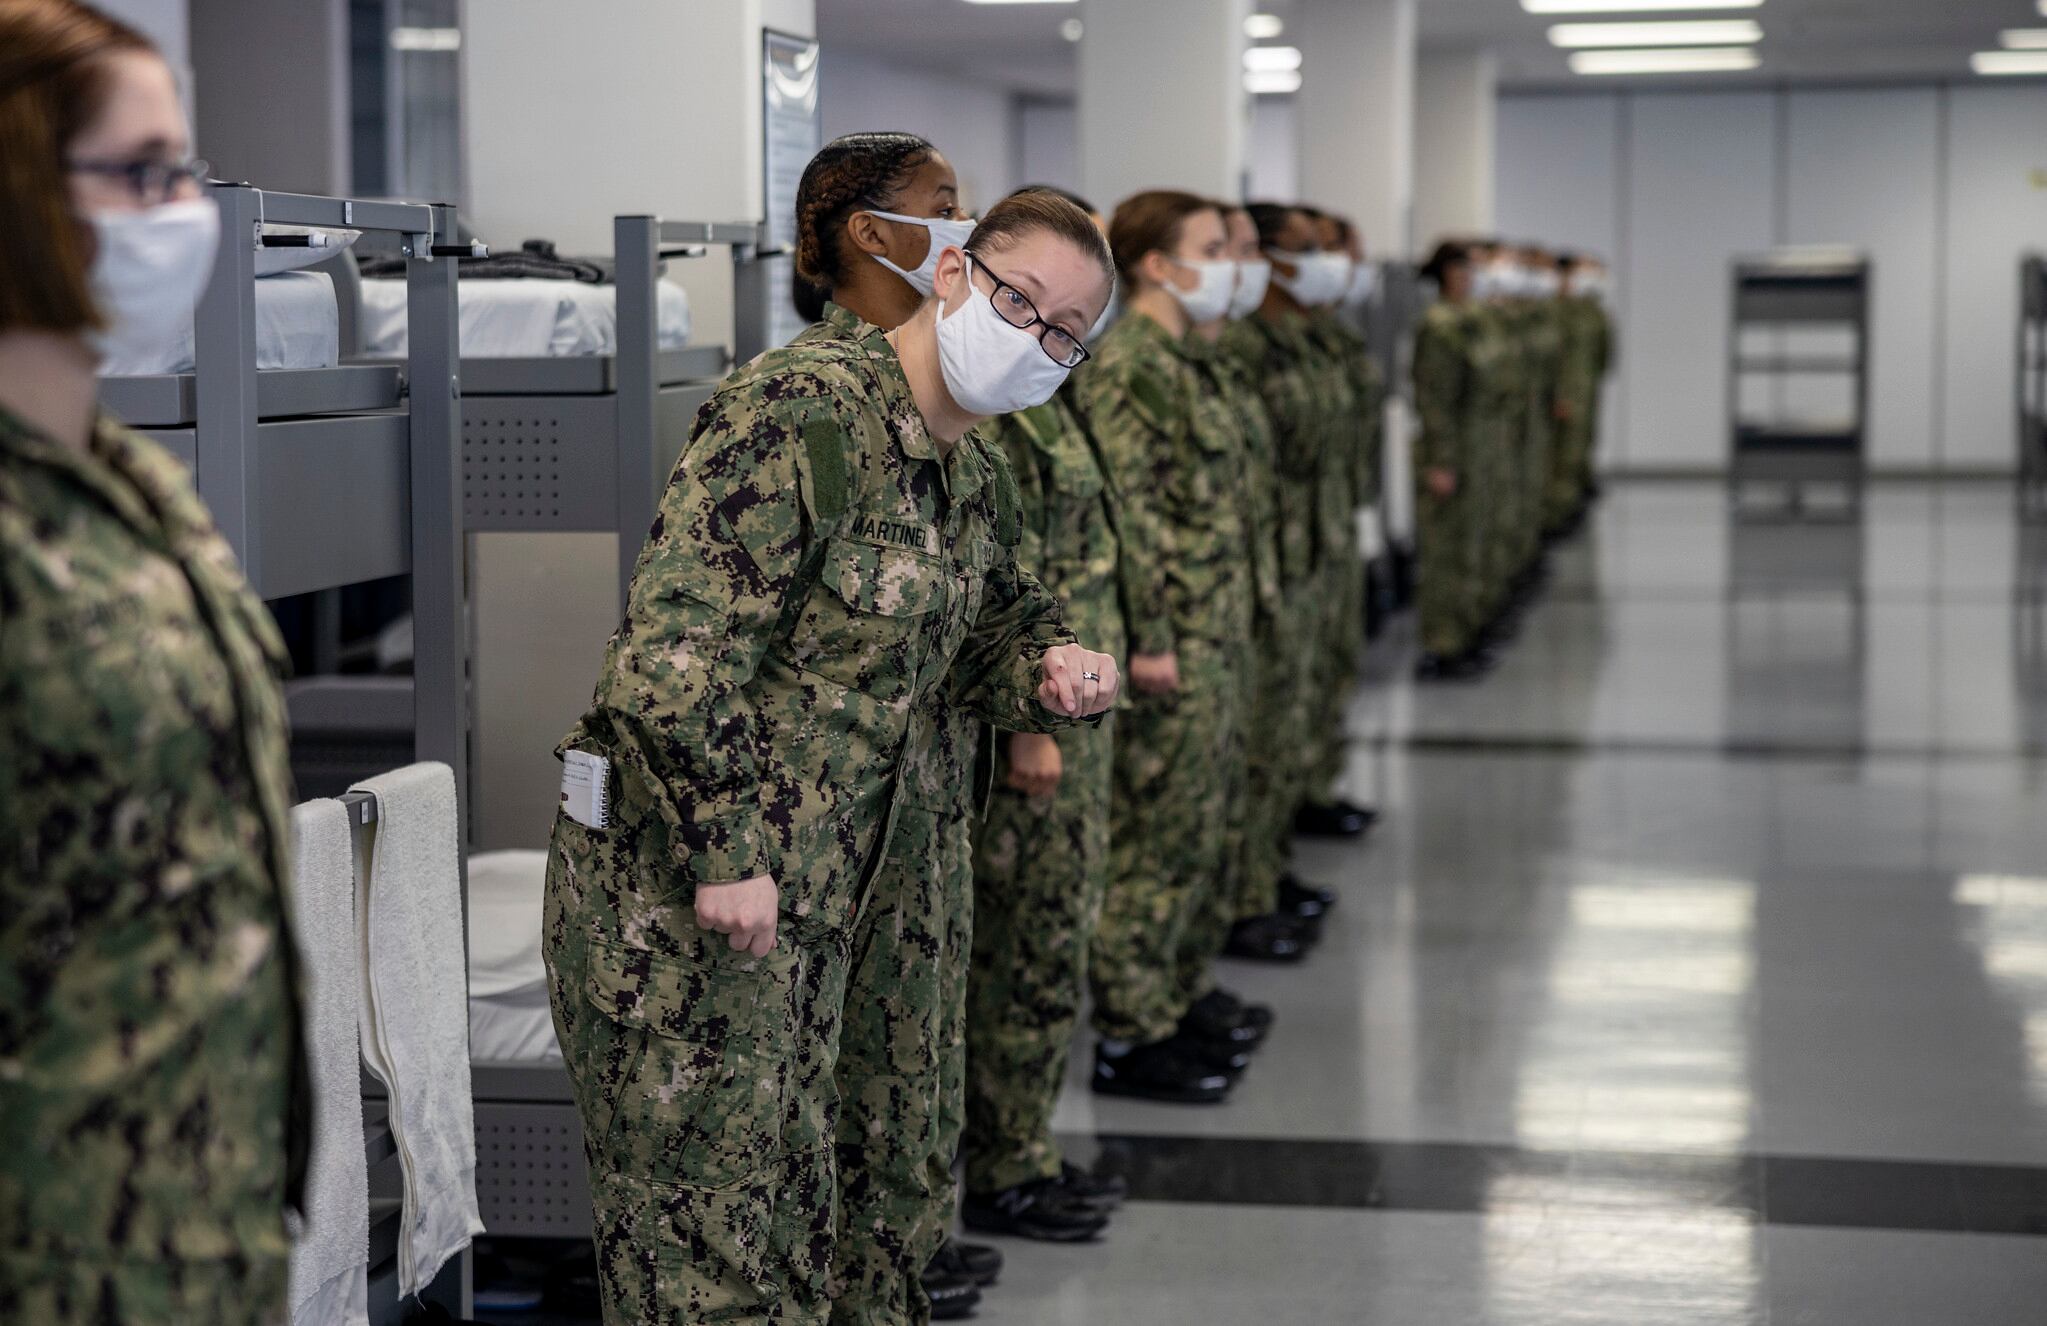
[(1696, 60), (2009, 62), (426, 39), (1272, 80), (2023, 39), (1023, 2), (1073, 29), (1638, 6), (1272, 59), (1724, 32), (1263, 27)]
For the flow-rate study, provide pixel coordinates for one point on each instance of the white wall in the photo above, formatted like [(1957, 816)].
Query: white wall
[(1454, 135), (1938, 184), (280, 121), (1358, 113), (1162, 100), (1275, 157), (968, 120), (1048, 144), (1995, 209)]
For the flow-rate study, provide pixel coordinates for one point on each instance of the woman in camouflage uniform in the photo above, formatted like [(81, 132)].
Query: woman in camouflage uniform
[(1175, 456), (828, 600), (150, 1059), (1450, 360)]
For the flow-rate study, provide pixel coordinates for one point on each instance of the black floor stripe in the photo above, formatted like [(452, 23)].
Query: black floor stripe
[(1733, 748), (1475, 1179)]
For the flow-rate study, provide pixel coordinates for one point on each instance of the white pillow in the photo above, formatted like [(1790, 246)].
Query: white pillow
[(269, 261)]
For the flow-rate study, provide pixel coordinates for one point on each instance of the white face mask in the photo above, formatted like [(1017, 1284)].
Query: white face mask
[(945, 234), (1210, 298), (1364, 282), (1253, 277), (1544, 284), (1318, 279), (989, 366), (148, 273)]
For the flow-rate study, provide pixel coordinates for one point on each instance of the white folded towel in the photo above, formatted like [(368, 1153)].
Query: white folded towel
[(416, 1011), (329, 1262)]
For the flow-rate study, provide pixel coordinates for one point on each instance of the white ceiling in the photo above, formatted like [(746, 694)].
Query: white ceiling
[(1019, 46)]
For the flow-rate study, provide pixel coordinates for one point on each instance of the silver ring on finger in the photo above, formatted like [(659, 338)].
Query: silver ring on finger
[(1090, 676)]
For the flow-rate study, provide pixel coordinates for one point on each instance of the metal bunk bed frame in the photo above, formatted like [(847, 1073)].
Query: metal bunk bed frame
[(1799, 290), (531, 1176), (2032, 388), (529, 463), (326, 477)]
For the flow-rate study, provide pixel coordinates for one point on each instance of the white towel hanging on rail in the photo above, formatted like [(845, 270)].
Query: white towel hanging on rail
[(416, 1011)]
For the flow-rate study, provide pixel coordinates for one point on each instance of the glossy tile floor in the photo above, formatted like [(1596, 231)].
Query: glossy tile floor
[(1697, 972)]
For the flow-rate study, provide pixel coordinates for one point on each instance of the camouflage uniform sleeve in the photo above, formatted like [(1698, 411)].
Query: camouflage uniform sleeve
[(997, 671), (1133, 418), (705, 602), (1015, 435), (1438, 382)]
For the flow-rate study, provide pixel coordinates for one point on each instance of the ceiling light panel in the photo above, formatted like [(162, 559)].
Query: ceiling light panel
[(1263, 27), (2023, 39), (1641, 6), (1697, 60), (1272, 80), (1023, 2), (1272, 59), (1724, 32), (2009, 62)]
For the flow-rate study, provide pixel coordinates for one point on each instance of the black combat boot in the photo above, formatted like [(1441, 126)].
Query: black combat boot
[(1103, 1192), (982, 1262), (1333, 819), (1041, 1209), (1248, 1023), (1162, 1070), (1274, 938), (949, 1286), (1309, 902)]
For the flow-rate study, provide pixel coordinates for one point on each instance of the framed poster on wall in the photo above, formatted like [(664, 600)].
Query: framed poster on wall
[(789, 139)]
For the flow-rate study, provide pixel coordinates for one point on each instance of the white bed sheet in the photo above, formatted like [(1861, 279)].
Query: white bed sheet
[(297, 326), (525, 319), (509, 1021)]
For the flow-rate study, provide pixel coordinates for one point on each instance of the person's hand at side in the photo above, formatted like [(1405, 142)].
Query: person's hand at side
[(1155, 674), (744, 912), (1035, 765), (1078, 682)]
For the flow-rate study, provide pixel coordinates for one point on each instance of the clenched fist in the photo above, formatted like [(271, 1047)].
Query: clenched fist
[(744, 913), (1078, 682)]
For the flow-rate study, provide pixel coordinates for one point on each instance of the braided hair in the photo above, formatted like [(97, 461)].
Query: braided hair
[(1271, 219), (851, 173)]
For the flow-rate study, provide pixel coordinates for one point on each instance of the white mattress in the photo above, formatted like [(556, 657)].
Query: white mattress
[(297, 326), (509, 1020), (524, 319)]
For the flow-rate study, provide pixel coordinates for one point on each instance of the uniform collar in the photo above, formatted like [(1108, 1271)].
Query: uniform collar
[(845, 321), (102, 468)]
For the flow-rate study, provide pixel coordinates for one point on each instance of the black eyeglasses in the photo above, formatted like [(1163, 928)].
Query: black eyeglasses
[(1016, 308), (150, 181)]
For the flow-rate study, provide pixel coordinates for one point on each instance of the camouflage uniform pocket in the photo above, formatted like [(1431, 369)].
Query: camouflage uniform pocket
[(699, 1101), (864, 630)]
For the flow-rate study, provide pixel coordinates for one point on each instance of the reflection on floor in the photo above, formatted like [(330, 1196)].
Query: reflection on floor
[(1697, 972)]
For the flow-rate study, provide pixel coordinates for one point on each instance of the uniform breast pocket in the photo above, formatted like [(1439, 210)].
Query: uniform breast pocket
[(702, 1071), (864, 626)]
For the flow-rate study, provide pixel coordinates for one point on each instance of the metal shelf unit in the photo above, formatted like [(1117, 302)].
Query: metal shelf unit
[(2032, 387), (1795, 292)]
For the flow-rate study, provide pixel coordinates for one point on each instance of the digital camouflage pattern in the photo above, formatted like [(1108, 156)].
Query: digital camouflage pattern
[(1260, 830), (151, 1079), (1354, 481), (1587, 352), (1310, 396), (825, 609), (1175, 457), (1451, 358), (1041, 864)]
